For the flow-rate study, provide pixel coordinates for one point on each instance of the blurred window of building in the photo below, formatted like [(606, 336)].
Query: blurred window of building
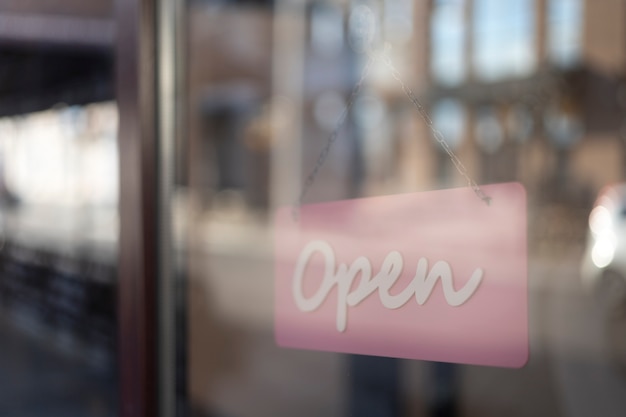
[(327, 29), (489, 132), (519, 123), (563, 125), (398, 23), (447, 39), (234, 3), (327, 33), (449, 117), (374, 120), (328, 108), (504, 36), (565, 25)]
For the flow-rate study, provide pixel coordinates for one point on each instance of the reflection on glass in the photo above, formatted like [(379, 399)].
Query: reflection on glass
[(563, 126), (363, 26), (328, 108), (449, 119), (519, 123), (369, 111), (489, 135), (398, 24), (474, 65), (447, 36), (504, 36), (565, 31), (371, 115), (327, 29)]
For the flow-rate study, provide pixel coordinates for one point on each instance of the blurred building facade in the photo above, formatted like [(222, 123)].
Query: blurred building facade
[(530, 91), (541, 91), (527, 90)]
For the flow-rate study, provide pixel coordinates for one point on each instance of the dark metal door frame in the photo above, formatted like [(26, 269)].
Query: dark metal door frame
[(148, 67), (138, 249)]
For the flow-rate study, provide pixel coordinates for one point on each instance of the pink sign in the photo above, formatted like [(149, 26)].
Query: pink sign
[(436, 275)]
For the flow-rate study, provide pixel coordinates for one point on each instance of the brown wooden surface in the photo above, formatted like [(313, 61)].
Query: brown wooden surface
[(135, 71)]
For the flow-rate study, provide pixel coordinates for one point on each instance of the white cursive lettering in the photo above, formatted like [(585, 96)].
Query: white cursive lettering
[(343, 277)]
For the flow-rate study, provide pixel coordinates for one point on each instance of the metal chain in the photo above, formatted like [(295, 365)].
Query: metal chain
[(437, 135), (331, 139)]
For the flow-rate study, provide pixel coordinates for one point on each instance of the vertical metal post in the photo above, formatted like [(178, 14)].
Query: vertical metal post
[(169, 100), (138, 210)]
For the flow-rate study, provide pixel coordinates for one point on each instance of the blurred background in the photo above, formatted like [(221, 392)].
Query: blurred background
[(532, 91), (58, 217)]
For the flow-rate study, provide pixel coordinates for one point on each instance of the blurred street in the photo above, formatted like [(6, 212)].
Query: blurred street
[(57, 313), (41, 378)]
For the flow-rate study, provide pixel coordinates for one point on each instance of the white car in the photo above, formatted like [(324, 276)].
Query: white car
[(603, 268)]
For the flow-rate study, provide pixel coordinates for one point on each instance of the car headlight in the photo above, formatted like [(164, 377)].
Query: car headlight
[(603, 250), (600, 220)]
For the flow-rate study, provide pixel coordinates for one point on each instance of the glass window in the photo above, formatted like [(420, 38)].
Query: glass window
[(351, 184), (398, 23), (489, 134), (449, 118), (447, 41), (565, 31), (316, 247), (504, 38), (327, 29), (519, 123)]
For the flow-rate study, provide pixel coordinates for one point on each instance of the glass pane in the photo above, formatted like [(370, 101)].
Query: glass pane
[(316, 115), (448, 41), (58, 210), (565, 36), (504, 38)]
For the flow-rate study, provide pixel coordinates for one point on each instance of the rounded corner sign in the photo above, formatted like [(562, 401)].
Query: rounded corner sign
[(436, 275)]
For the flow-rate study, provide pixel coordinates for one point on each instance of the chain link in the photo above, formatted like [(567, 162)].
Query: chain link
[(331, 139), (436, 134)]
